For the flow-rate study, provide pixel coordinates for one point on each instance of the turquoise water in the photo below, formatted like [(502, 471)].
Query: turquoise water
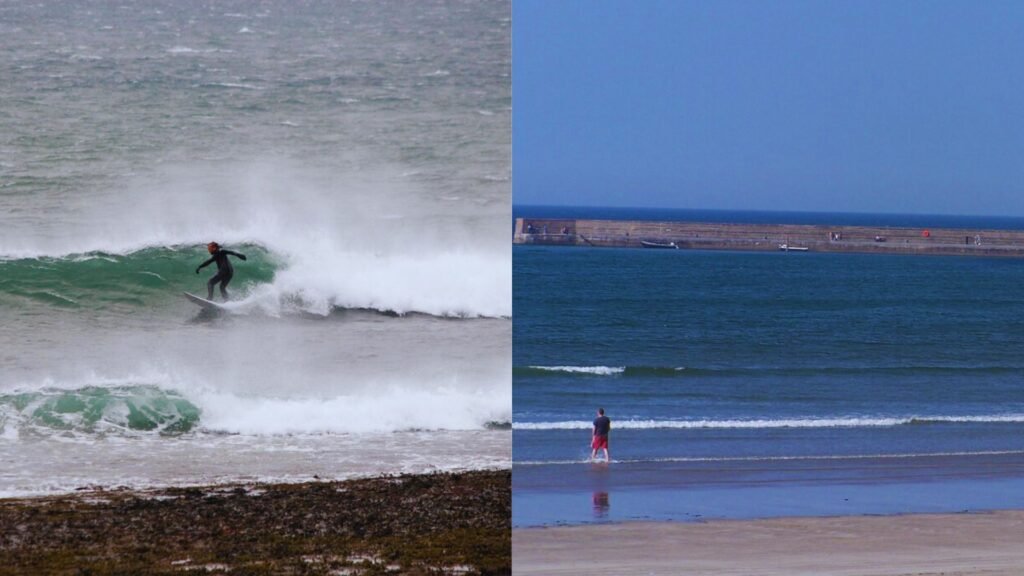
[(99, 409), (721, 360), (98, 281)]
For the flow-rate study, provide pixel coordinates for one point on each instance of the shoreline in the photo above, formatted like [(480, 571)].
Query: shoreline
[(963, 544), (440, 523), (688, 491)]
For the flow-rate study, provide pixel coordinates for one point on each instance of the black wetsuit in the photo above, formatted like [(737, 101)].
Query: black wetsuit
[(224, 271)]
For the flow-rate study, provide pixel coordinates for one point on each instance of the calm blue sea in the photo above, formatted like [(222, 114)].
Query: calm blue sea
[(745, 372)]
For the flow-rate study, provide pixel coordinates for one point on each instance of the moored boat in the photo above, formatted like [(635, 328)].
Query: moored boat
[(670, 245)]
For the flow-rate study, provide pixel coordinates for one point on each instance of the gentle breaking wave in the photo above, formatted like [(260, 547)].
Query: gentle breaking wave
[(592, 370), (839, 422), (599, 371), (148, 409), (692, 372)]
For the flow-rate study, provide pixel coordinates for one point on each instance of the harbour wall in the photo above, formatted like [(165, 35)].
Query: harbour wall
[(773, 237)]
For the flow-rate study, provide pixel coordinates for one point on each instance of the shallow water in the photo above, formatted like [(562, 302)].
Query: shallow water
[(706, 361)]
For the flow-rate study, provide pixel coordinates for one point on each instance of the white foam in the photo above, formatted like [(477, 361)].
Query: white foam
[(231, 85), (8, 429), (445, 283), (597, 370), (394, 409), (846, 422), (368, 239)]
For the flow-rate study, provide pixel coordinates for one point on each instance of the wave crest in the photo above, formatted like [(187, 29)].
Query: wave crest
[(97, 409), (588, 370), (133, 409), (838, 422), (272, 283)]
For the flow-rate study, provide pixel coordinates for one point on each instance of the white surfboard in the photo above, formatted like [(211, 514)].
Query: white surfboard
[(207, 304)]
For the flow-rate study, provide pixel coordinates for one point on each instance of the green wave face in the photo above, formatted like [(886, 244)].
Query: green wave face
[(144, 278), (96, 409)]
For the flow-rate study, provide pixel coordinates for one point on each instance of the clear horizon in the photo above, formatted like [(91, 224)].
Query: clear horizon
[(517, 205)]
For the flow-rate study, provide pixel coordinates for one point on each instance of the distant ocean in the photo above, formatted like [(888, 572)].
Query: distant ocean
[(771, 217), (744, 385), (357, 153)]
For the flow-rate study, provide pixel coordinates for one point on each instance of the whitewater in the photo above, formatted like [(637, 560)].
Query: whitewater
[(369, 330)]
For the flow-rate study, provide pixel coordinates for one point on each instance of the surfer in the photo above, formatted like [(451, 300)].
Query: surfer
[(224, 269), (602, 425)]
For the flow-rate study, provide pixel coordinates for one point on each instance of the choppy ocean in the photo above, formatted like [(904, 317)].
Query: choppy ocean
[(759, 384), (357, 153)]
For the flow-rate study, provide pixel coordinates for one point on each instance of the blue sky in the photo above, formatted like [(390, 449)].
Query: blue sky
[(863, 106)]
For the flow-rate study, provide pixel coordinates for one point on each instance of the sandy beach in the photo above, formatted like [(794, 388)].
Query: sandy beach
[(987, 544), (451, 523)]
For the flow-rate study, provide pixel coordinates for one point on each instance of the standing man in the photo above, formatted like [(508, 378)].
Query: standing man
[(602, 425), (224, 269)]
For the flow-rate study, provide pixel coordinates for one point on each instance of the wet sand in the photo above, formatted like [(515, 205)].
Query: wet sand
[(989, 544), (551, 495), (455, 523)]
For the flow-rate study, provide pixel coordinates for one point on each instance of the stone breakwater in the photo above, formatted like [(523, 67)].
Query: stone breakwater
[(774, 237)]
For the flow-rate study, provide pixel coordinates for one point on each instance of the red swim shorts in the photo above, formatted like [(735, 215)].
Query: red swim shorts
[(599, 442)]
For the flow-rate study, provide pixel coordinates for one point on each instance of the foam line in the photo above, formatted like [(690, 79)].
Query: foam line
[(779, 423)]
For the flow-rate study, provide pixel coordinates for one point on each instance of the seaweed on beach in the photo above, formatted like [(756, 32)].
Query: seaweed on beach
[(455, 523)]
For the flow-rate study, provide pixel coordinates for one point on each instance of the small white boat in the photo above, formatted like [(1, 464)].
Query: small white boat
[(670, 245), (788, 248)]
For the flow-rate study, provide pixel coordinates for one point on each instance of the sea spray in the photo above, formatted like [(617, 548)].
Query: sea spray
[(371, 198), (388, 410), (358, 241), (100, 280)]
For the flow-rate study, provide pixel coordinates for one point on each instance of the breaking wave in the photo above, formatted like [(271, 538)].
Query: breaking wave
[(97, 410), (692, 372), (268, 282), (104, 280), (360, 240), (839, 422), (590, 370), (149, 409)]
